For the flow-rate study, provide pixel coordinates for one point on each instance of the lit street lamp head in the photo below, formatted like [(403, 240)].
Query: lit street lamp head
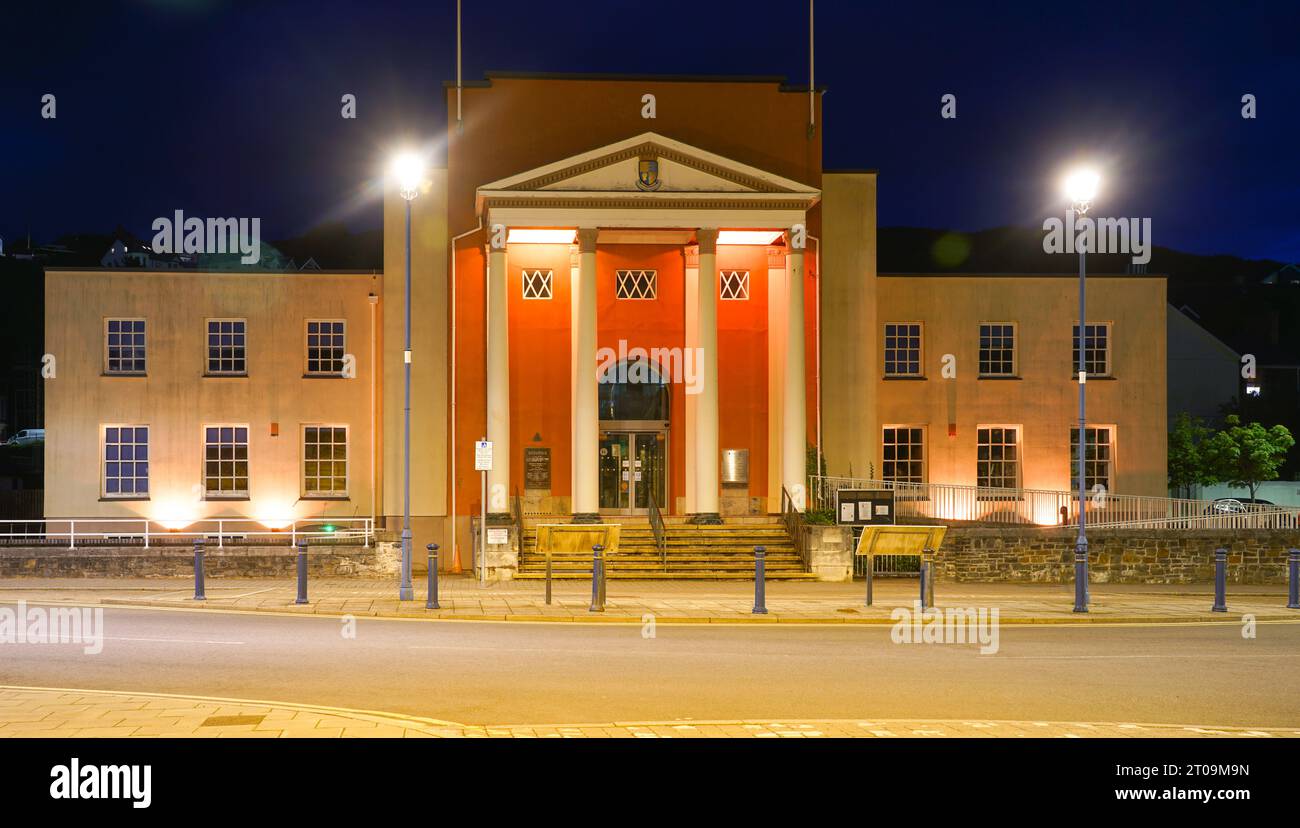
[(1081, 188), (408, 171)]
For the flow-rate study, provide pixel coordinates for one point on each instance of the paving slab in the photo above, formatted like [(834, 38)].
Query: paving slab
[(674, 602)]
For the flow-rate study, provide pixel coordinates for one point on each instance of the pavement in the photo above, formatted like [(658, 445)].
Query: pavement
[(665, 602), (31, 712)]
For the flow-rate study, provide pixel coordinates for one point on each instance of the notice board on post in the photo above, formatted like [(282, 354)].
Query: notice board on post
[(864, 507)]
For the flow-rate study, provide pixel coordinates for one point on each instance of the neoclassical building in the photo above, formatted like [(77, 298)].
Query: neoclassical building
[(639, 290)]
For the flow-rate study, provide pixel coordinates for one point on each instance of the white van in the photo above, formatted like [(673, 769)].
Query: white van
[(26, 437)]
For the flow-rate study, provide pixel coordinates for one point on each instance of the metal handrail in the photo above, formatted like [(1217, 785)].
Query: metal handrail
[(1048, 508), (148, 530), (794, 523), (659, 530), (517, 516)]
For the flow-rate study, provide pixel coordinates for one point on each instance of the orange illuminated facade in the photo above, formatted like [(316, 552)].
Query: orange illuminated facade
[(647, 293)]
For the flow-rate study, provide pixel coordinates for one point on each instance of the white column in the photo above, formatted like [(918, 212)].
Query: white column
[(707, 458), (692, 301), (776, 310), (498, 371), (585, 416), (794, 409)]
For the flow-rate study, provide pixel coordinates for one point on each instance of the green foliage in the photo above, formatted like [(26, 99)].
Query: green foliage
[(1246, 455), (1187, 467), (819, 517), (815, 462)]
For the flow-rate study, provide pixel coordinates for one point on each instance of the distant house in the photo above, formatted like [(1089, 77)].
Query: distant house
[(1203, 371), (129, 251), (1289, 275)]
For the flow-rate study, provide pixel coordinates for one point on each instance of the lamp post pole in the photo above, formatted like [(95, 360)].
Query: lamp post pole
[(1081, 544), (406, 591)]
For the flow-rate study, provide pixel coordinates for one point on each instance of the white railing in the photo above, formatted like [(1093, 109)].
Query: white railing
[(221, 530), (1045, 507)]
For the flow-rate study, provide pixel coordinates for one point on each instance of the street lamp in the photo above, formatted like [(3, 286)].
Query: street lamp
[(408, 172), (1081, 188)]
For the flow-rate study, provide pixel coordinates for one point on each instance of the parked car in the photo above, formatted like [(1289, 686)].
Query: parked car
[(27, 437), (1244, 505)]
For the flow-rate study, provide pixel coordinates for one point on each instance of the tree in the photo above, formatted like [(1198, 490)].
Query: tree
[(1247, 455), (1187, 466)]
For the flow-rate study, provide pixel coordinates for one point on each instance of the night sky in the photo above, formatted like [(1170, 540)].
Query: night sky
[(232, 108)]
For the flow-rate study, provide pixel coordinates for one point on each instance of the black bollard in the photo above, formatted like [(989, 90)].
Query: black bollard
[(871, 566), (1220, 580), (923, 577), (302, 572), (597, 576), (1293, 572), (604, 577), (432, 601), (198, 571), (760, 580), (548, 578), (927, 578)]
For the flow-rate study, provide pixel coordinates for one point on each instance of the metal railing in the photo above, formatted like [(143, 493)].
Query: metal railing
[(1043, 507), (147, 532), (793, 520), (659, 531), (517, 516)]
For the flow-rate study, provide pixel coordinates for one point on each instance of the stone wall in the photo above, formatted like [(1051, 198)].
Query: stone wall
[(178, 561), (829, 551), (1121, 556)]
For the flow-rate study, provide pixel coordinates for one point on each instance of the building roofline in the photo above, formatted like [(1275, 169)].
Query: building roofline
[(980, 275), (851, 171), (1204, 330), (492, 75)]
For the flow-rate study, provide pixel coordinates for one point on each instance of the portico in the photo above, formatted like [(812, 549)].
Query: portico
[(670, 212)]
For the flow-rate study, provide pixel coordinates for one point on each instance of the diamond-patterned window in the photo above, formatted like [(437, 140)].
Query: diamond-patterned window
[(637, 284), (734, 284), (537, 284)]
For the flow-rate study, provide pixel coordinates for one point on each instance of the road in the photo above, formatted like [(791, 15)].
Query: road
[(508, 673)]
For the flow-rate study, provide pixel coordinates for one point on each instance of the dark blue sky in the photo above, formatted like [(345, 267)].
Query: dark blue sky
[(232, 108)]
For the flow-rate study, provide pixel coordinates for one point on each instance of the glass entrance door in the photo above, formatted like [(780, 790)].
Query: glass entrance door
[(633, 468), (615, 468), (649, 467)]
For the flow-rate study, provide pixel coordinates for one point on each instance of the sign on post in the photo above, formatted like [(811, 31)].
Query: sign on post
[(483, 463), (483, 455)]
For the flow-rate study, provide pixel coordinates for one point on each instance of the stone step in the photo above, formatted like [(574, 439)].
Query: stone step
[(673, 563), (654, 556), (743, 560), (732, 537), (731, 549), (702, 575)]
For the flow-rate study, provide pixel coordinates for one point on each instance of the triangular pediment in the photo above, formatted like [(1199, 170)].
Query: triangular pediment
[(677, 168)]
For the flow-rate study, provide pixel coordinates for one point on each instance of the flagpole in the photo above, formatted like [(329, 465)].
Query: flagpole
[(812, 121)]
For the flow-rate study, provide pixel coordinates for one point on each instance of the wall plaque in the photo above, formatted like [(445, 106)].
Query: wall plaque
[(537, 468)]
